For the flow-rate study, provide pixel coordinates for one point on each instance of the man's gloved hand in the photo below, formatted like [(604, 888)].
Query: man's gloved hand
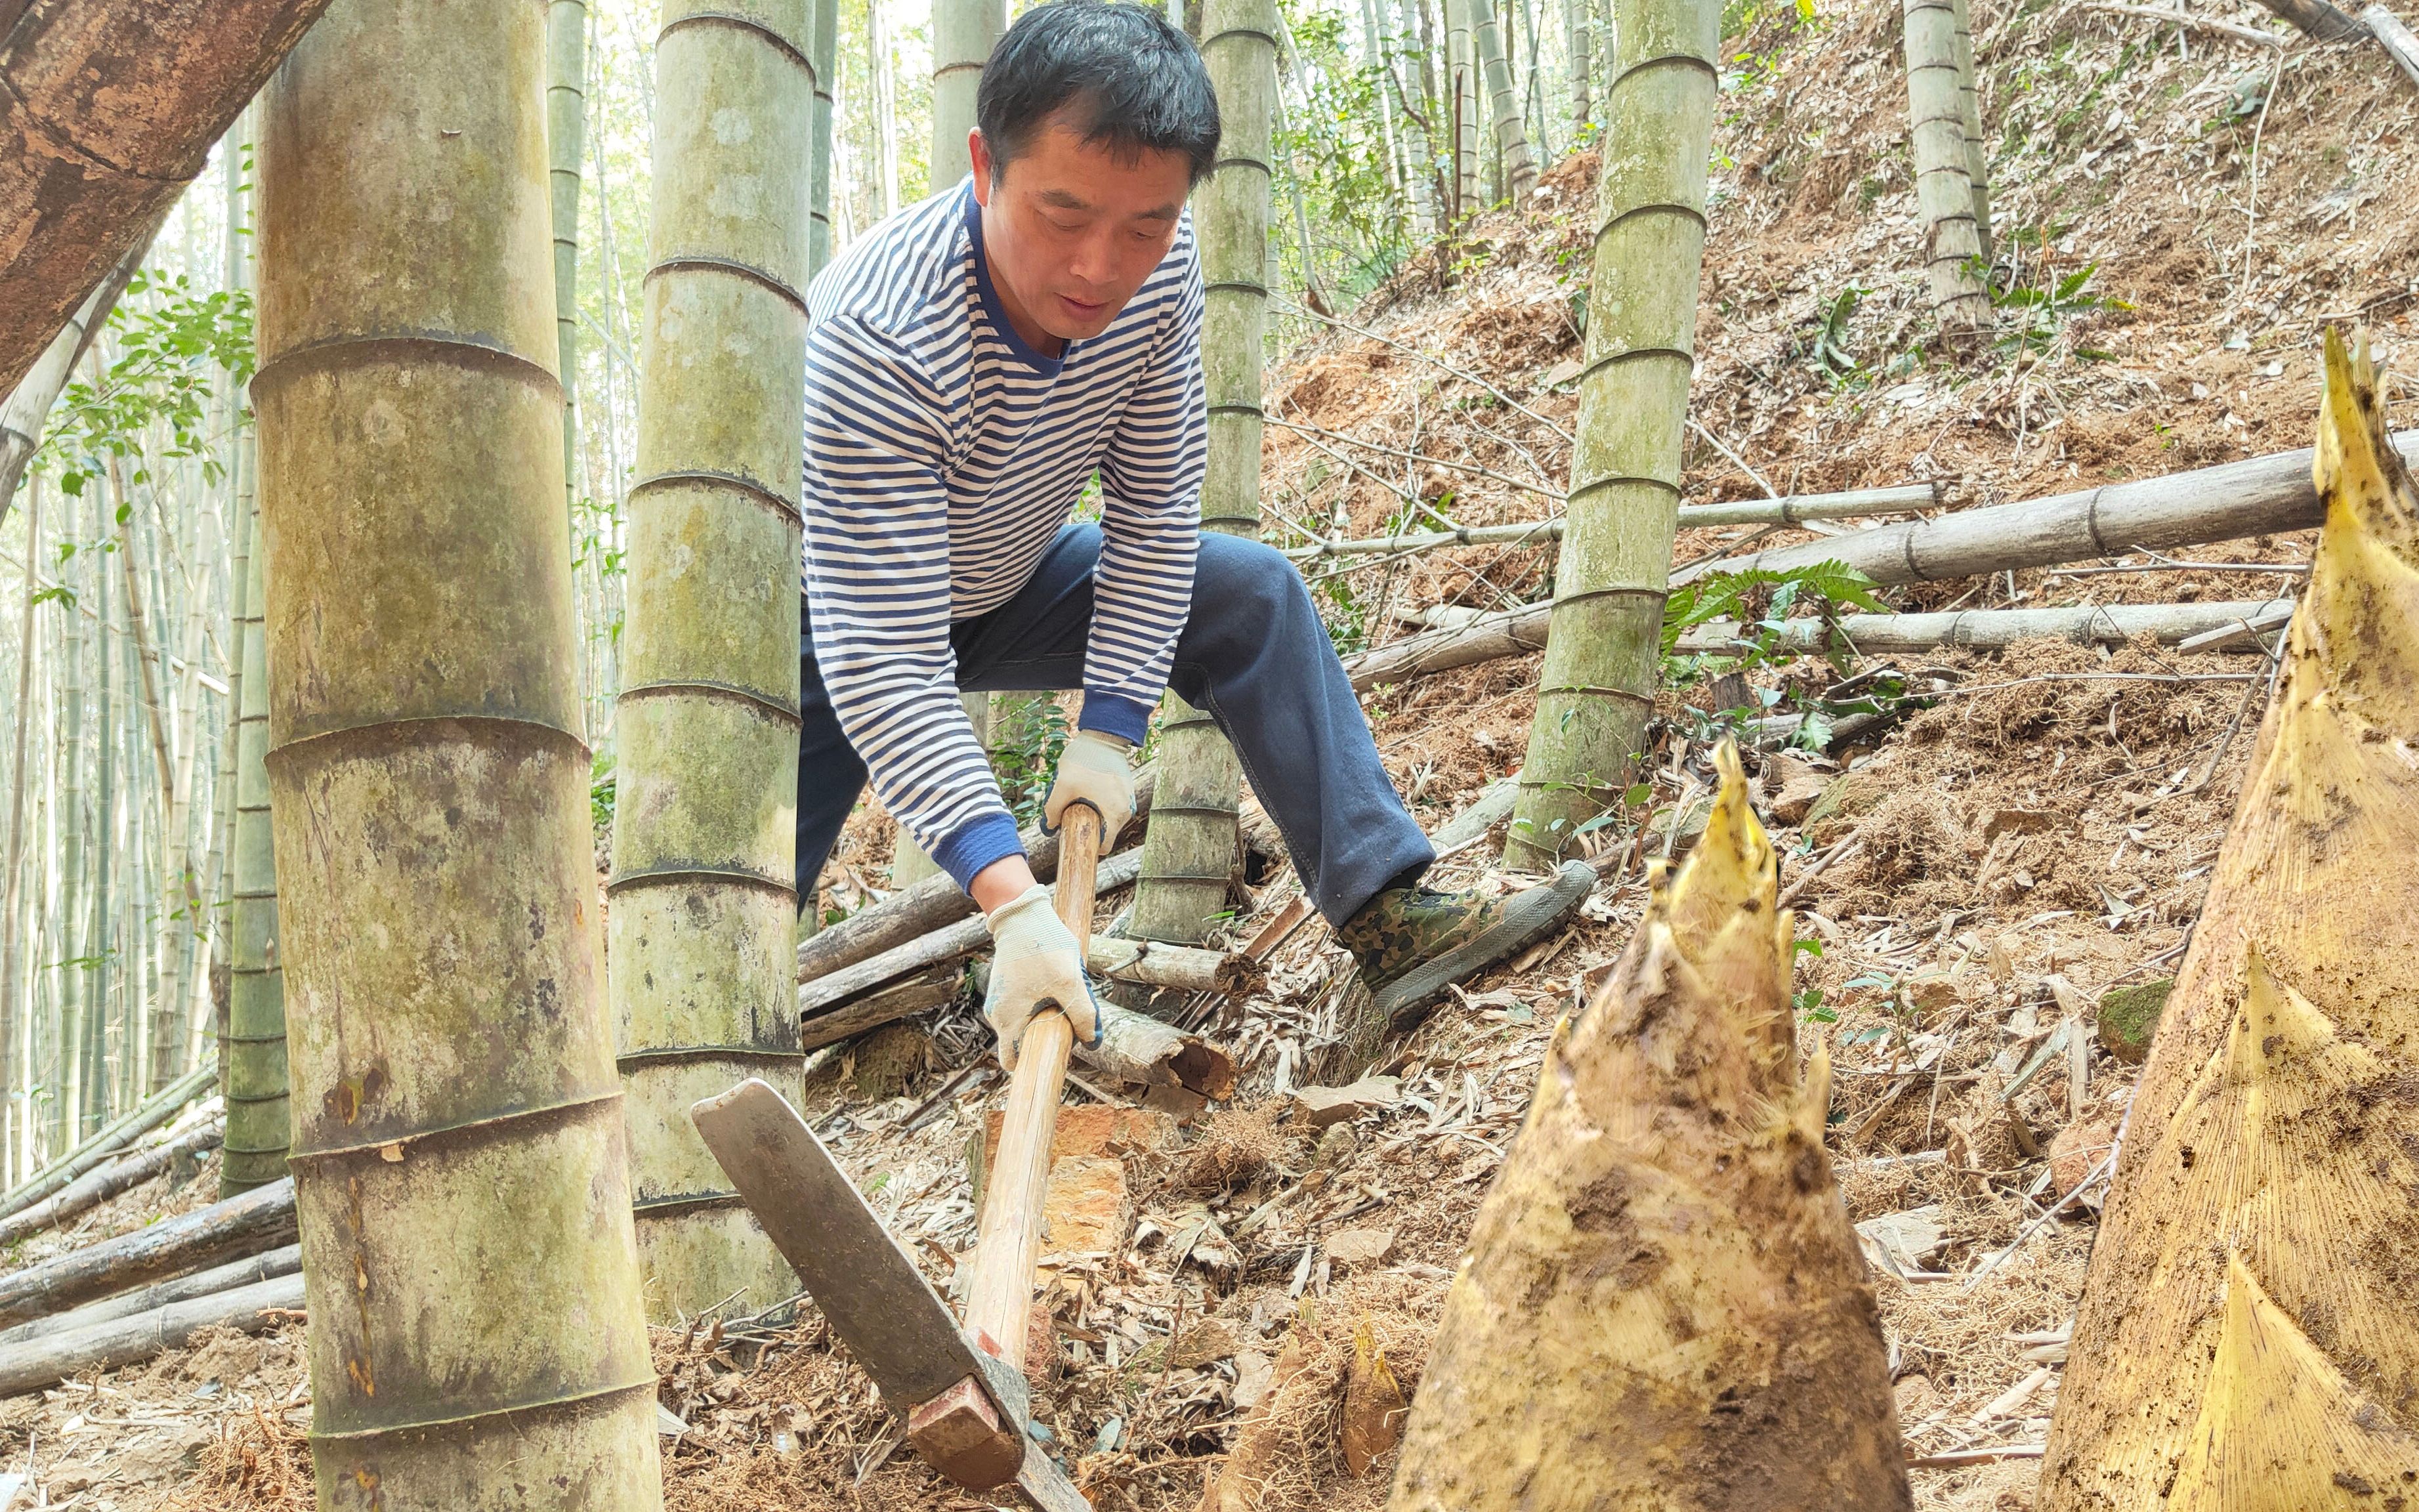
[(1092, 770), (1034, 961)]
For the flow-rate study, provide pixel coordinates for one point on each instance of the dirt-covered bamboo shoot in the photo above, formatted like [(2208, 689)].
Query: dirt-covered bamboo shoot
[(2247, 1339), (1663, 1305)]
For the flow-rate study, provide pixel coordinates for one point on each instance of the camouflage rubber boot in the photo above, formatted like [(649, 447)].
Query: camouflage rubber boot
[(1412, 941)]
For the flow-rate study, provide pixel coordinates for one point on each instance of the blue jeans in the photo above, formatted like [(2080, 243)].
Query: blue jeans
[(1254, 656)]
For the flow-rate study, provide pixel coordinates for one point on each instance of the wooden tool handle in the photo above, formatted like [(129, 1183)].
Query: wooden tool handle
[(999, 1294)]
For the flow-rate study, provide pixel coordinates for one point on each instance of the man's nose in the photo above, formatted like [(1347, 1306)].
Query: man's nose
[(1095, 261)]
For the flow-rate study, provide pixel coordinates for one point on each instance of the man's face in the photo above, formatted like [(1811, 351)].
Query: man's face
[(1072, 229)]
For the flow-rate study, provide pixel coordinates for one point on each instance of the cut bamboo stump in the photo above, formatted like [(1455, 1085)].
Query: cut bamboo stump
[(98, 1186), (263, 1216), (253, 1309), (266, 1266)]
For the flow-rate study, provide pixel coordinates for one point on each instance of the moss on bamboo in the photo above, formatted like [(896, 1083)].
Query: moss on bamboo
[(704, 899), (1598, 680), (1664, 1305), (2246, 1340), (460, 1181)]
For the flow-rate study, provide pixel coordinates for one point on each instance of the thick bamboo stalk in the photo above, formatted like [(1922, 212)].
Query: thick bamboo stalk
[(964, 33), (2246, 1337), (266, 1266), (1460, 105), (107, 111), (704, 902), (1598, 682), (1189, 848), (1944, 184), (826, 59), (566, 122), (259, 1219), (1663, 1305), (477, 1337), (1969, 107), (124, 1341), (1503, 105), (2259, 497), (252, 1050), (1577, 40), (97, 1186)]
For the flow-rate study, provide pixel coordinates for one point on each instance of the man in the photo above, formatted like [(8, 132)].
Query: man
[(974, 361)]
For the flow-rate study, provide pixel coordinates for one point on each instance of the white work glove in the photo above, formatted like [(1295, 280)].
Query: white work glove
[(1035, 963), (1092, 770)]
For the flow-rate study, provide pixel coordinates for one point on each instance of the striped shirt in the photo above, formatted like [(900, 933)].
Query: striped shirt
[(941, 457)]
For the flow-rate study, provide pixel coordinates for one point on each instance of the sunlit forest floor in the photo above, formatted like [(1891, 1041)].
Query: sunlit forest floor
[(2178, 214)]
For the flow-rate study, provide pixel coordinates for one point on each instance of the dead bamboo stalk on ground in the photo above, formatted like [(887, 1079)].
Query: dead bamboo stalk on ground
[(2395, 38), (1790, 510), (106, 1145), (43, 1361), (2259, 497), (97, 1186), (266, 1266), (2228, 621), (259, 1219), (915, 912)]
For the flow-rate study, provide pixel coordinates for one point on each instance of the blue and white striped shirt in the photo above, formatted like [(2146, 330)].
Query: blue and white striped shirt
[(941, 457)]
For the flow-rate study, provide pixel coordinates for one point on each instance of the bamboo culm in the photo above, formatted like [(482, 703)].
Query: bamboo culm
[(1597, 685), (1943, 184), (450, 1053), (704, 909), (1189, 848)]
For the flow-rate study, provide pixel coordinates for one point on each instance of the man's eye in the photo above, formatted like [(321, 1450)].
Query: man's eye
[(1070, 227)]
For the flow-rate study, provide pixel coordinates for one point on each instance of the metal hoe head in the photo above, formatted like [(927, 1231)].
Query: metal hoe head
[(968, 1411)]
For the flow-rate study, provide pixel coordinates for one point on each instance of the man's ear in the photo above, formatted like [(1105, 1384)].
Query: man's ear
[(978, 153)]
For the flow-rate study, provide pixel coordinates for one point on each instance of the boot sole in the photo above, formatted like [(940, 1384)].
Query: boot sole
[(1522, 923)]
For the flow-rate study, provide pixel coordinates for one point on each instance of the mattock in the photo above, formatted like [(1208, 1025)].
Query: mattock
[(961, 1389)]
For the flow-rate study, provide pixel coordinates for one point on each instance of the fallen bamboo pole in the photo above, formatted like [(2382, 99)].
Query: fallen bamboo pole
[(2258, 497), (915, 912), (259, 1218), (99, 1185), (2105, 625), (253, 1309), (951, 942), (266, 1266), (2395, 38), (105, 1144), (1856, 503)]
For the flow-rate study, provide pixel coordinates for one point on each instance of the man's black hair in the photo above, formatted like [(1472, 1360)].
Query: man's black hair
[(1127, 79)]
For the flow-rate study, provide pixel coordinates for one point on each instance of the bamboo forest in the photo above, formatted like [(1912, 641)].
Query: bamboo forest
[(1209, 755)]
